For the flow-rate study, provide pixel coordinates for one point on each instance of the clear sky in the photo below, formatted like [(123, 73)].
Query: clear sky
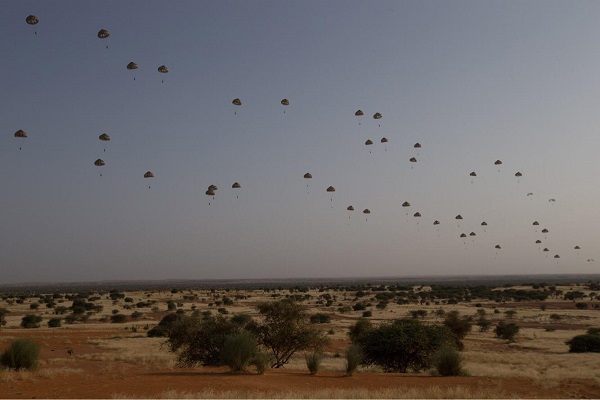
[(472, 81)]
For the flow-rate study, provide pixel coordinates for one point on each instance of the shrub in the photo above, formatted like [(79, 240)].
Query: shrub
[(584, 344), (510, 314), (367, 314), (459, 326), (555, 317), (448, 362), (507, 331), (31, 321), (22, 354), (313, 362), (238, 351), (359, 328), (354, 356), (320, 318), (162, 329), (581, 306), (404, 344), (54, 322), (118, 318), (260, 361), (593, 331), (484, 324)]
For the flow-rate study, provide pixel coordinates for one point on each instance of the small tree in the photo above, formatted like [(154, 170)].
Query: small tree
[(21, 354), (584, 344), (459, 326), (285, 330), (354, 356), (506, 331), (31, 321), (484, 324), (360, 327), (510, 314), (238, 351), (54, 322)]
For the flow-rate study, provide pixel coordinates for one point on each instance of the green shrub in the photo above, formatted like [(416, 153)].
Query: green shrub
[(260, 361), (354, 356), (54, 322), (507, 331), (238, 351), (31, 321), (320, 318), (22, 354), (448, 362), (118, 318), (359, 328), (367, 314), (584, 344), (593, 331), (313, 362)]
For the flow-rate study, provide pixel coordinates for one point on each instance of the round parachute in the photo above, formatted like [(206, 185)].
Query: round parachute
[(359, 113), (577, 248), (307, 176), (556, 256), (236, 102), (436, 222), (32, 20), (406, 204), (498, 162), (213, 187), (497, 246), (538, 241), (20, 134), (104, 137), (132, 65), (209, 192), (377, 116), (484, 223), (163, 70), (458, 217), (366, 211), (285, 102), (369, 142), (473, 174), (236, 185), (472, 234), (417, 146), (413, 160), (384, 140), (535, 223), (463, 235), (148, 175), (331, 189), (417, 214), (350, 208), (545, 231), (99, 163), (518, 174), (103, 33)]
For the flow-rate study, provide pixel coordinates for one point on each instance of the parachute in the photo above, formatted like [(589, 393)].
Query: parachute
[(366, 211), (417, 146), (236, 185), (529, 194), (384, 140), (417, 214), (32, 20), (556, 256), (377, 116), (131, 66), (285, 102), (331, 189), (99, 163), (211, 192), (21, 134), (413, 160), (436, 222), (535, 223), (498, 162), (213, 187), (103, 34), (463, 235), (518, 174), (545, 231), (577, 248), (236, 102), (498, 247), (484, 223), (473, 174), (458, 217), (307, 176), (551, 200), (148, 174), (538, 241), (359, 113), (472, 234), (163, 70), (350, 208), (406, 204), (105, 138), (368, 143)]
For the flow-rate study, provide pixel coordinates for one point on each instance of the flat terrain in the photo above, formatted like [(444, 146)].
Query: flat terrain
[(112, 360)]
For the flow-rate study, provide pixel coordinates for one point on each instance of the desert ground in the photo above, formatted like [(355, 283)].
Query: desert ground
[(99, 359)]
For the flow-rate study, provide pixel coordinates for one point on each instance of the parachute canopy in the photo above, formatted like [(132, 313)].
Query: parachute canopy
[(132, 65), (210, 192), (413, 159), (436, 222), (497, 246), (538, 241), (369, 142), (148, 174), (359, 113), (498, 162), (551, 200), (20, 134), (417, 214), (236, 102), (99, 163), (384, 140), (458, 217), (236, 185), (529, 194), (472, 234), (406, 204), (285, 102), (350, 208), (331, 189), (473, 174), (103, 33), (545, 249), (417, 146), (307, 176), (366, 211), (484, 223), (535, 223), (556, 256), (545, 231), (577, 248), (104, 137), (163, 70), (32, 20), (463, 235), (377, 116), (518, 174), (213, 187)]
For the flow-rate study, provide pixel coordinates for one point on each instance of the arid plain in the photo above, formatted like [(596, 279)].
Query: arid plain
[(97, 358)]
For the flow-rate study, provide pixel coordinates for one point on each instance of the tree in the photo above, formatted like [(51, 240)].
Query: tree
[(404, 344), (199, 340), (238, 351), (584, 344), (162, 329), (285, 330), (3, 312), (459, 326), (359, 328), (506, 331), (118, 318), (54, 322), (31, 321)]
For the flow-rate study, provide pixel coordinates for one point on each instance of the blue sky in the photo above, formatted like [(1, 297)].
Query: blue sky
[(471, 81)]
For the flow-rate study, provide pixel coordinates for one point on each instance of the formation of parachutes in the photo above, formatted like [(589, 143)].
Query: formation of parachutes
[(377, 116)]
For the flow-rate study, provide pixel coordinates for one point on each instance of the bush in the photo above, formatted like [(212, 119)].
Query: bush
[(484, 324), (354, 356), (459, 326), (238, 351), (593, 331), (507, 331), (320, 318), (581, 306), (448, 362), (313, 362), (118, 318), (54, 322), (584, 344), (359, 328), (404, 344), (22, 354), (367, 314), (31, 321), (260, 361)]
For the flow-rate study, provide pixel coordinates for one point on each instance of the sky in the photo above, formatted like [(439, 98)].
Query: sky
[(473, 82)]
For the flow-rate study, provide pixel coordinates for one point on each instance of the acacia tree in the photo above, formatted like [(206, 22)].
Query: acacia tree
[(285, 330)]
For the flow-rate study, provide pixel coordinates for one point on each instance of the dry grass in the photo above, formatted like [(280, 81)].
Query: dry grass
[(433, 392), (137, 350), (41, 373)]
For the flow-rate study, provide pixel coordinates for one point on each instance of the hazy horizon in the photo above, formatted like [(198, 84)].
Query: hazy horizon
[(472, 82)]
